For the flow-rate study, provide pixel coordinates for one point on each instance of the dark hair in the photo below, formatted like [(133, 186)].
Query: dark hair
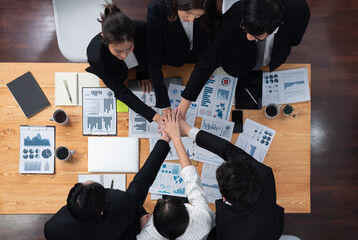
[(262, 16), (116, 26), (239, 182), (170, 217), (86, 202), (208, 21)]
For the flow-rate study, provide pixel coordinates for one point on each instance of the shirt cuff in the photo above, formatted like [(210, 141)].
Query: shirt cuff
[(192, 133), (188, 173)]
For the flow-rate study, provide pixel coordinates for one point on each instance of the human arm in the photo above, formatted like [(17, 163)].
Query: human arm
[(145, 177), (155, 22)]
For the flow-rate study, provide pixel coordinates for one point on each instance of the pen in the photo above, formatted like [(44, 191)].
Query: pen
[(251, 96), (67, 90), (112, 183)]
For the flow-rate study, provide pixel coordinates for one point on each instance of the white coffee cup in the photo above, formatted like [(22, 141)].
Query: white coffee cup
[(62, 153), (60, 116), (272, 110)]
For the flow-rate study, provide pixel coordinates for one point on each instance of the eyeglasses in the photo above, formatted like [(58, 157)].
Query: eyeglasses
[(243, 28)]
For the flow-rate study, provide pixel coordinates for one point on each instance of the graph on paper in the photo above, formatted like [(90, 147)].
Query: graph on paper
[(37, 145), (256, 139), (220, 128), (138, 125), (168, 181), (216, 98), (99, 113), (288, 86), (210, 184)]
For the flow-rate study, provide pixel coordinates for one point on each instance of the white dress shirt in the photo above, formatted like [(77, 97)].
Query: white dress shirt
[(188, 28), (201, 218)]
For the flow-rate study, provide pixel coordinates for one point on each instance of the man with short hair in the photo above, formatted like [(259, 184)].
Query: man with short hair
[(251, 34), (93, 212), (248, 209)]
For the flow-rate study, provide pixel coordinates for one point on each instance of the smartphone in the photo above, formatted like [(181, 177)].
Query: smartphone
[(237, 119)]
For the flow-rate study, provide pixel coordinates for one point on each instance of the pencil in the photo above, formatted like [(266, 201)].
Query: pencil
[(112, 183), (251, 96)]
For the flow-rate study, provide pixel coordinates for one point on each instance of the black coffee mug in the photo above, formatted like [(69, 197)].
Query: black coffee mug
[(62, 153)]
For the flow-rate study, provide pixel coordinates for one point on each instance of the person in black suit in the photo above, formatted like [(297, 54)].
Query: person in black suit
[(121, 45), (177, 31), (248, 209), (251, 34), (93, 212)]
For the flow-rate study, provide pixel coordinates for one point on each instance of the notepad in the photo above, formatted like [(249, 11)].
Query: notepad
[(28, 94), (113, 154), (75, 82), (122, 107)]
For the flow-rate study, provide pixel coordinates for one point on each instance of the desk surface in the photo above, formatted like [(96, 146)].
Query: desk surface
[(289, 154)]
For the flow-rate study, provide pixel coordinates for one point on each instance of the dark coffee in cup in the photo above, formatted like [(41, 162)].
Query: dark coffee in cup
[(271, 111), (62, 153), (60, 116)]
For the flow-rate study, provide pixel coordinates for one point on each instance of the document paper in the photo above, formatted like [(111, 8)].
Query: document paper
[(288, 86), (220, 128), (37, 149), (210, 184), (256, 139), (168, 181), (216, 96), (174, 93), (99, 116), (172, 155), (119, 180), (139, 127)]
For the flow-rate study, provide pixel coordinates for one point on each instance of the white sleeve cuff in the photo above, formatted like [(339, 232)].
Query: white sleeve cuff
[(192, 133)]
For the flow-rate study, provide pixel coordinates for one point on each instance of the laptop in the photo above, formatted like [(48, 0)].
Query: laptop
[(113, 154)]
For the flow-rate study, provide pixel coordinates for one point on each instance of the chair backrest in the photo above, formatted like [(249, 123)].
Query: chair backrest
[(76, 24)]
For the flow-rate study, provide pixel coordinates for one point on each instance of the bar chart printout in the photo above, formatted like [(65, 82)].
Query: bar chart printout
[(99, 112)]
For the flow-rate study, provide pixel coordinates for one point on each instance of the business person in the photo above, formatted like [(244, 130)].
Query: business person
[(93, 212), (177, 32), (248, 209), (251, 34), (172, 219), (121, 45)]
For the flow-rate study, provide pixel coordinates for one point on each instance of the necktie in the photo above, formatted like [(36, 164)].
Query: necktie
[(260, 47)]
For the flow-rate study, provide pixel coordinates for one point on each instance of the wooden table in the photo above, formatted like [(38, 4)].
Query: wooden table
[(289, 154)]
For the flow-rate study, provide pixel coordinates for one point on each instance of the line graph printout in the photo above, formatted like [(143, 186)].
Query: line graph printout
[(220, 128), (139, 127), (168, 181), (288, 86), (256, 139), (174, 93), (99, 116), (209, 182), (172, 155), (216, 98), (37, 148)]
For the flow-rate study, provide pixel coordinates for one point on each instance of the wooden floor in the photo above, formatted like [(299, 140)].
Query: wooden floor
[(27, 34)]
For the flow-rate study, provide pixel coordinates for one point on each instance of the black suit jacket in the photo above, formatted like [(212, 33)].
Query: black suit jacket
[(265, 220), (168, 44), (230, 48), (114, 72), (120, 219)]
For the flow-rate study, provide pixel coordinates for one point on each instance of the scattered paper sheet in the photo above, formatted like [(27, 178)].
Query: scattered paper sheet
[(210, 184), (172, 155), (119, 180), (256, 139), (220, 128), (139, 126), (168, 181), (288, 86), (174, 93), (99, 113), (216, 96), (37, 149)]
